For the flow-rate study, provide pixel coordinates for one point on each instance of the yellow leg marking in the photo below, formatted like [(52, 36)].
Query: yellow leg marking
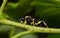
[(45, 24)]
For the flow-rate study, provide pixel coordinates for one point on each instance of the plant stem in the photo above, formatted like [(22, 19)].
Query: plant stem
[(32, 28), (2, 7), (21, 34)]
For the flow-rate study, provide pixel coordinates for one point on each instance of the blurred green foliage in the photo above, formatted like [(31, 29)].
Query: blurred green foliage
[(54, 36), (47, 10), (19, 9)]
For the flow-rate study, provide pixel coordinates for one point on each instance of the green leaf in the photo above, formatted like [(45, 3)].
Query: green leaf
[(4, 28), (29, 36)]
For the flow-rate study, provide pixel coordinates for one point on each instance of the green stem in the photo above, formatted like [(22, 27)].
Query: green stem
[(28, 27), (2, 7), (20, 34)]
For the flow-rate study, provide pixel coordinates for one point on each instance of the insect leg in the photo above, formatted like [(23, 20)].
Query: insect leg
[(38, 23), (45, 23), (33, 22)]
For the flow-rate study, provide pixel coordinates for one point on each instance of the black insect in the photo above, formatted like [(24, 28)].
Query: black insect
[(34, 22)]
